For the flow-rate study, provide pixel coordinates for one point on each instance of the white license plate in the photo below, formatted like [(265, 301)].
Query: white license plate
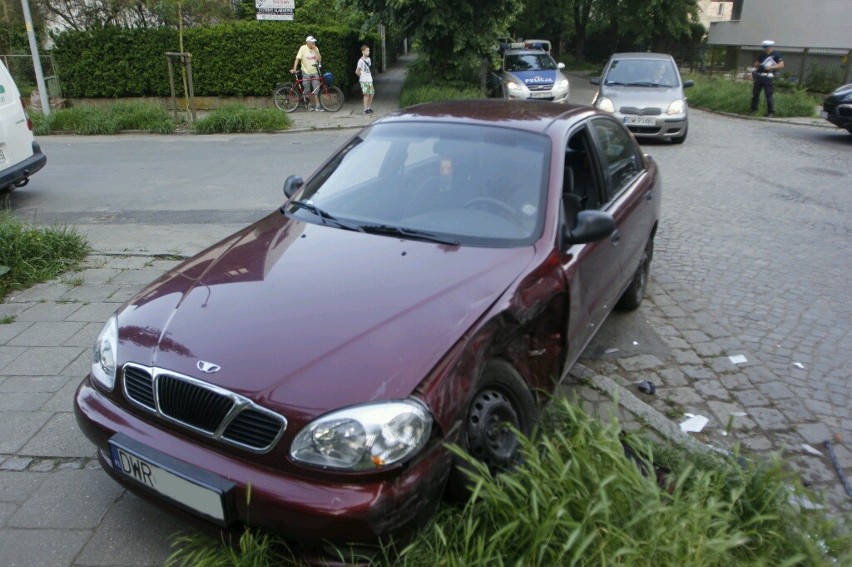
[(2, 157), (194, 489), (541, 94), (640, 120), (823, 114)]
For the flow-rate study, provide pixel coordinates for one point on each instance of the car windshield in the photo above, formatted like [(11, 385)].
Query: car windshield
[(529, 62), (642, 73), (449, 183)]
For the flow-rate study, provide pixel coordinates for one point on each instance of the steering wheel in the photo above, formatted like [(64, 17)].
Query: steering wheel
[(492, 205)]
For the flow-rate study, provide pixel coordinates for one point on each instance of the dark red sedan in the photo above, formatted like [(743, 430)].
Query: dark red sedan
[(431, 282)]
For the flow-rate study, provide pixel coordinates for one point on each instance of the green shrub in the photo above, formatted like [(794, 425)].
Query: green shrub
[(238, 118), (29, 254), (238, 58), (421, 85)]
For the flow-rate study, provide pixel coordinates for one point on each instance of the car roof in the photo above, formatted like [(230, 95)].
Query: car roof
[(640, 55), (533, 116)]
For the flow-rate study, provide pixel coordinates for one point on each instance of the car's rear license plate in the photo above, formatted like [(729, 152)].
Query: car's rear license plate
[(823, 114), (179, 482), (640, 120)]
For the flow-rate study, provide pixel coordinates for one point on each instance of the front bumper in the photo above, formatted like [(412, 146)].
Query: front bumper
[(838, 114), (309, 511), (663, 126)]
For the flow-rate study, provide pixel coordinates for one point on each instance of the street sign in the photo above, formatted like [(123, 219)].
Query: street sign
[(275, 9)]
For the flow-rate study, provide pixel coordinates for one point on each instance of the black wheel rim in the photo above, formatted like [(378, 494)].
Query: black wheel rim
[(491, 438)]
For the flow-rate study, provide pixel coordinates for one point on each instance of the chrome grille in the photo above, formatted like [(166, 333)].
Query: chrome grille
[(204, 408), (540, 87), (650, 111)]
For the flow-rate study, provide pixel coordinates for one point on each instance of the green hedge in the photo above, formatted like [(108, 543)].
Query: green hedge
[(231, 59)]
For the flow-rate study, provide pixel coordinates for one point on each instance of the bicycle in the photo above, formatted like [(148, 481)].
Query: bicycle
[(288, 96)]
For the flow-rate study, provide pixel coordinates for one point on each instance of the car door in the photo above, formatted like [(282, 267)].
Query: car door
[(629, 192), (592, 272)]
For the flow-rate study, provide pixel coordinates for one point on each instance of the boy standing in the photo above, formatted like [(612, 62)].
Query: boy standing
[(365, 77)]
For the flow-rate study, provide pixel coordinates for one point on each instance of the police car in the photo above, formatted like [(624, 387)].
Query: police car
[(528, 72)]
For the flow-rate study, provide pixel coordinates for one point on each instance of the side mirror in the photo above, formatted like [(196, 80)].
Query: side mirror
[(292, 184), (687, 84), (591, 226), (560, 66), (595, 80)]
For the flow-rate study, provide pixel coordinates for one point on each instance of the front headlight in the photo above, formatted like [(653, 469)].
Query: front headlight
[(562, 85), (104, 354), (676, 107), (605, 104), (515, 88), (365, 437)]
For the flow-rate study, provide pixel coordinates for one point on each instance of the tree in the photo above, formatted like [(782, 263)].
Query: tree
[(85, 14), (452, 35), (658, 23)]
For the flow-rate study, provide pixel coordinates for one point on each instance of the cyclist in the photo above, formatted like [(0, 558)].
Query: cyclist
[(307, 58)]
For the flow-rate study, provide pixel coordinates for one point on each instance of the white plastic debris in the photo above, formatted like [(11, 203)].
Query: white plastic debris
[(635, 343), (811, 450), (693, 423), (610, 351), (738, 359), (799, 365), (739, 413)]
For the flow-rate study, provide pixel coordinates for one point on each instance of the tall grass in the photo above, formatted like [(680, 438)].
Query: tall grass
[(238, 118), (578, 500), (91, 120), (29, 254), (728, 95)]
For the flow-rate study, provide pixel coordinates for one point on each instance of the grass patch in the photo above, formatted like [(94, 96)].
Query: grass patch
[(578, 500), (92, 120), (729, 95), (35, 254), (421, 86), (238, 118)]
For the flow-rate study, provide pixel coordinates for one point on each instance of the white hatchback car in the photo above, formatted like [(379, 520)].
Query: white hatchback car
[(20, 154)]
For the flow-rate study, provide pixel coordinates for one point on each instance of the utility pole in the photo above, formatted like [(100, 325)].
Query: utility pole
[(42, 90)]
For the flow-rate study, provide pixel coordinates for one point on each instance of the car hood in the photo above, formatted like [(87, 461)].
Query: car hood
[(311, 318), (535, 78), (841, 94), (642, 96)]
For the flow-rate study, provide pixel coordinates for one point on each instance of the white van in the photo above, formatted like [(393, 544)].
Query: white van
[(20, 154)]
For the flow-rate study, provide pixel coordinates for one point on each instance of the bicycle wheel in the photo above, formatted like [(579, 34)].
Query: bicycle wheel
[(286, 98), (331, 98)]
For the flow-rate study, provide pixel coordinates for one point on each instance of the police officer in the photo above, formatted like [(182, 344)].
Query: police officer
[(765, 69)]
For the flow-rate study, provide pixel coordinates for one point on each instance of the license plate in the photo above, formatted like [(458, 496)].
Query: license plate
[(640, 120), (179, 482), (823, 114), (541, 94), (2, 157)]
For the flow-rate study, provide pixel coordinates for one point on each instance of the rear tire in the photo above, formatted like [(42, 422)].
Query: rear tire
[(331, 99), (502, 399), (632, 297), (286, 98)]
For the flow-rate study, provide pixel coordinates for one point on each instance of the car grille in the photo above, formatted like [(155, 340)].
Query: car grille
[(212, 411), (650, 111), (535, 88)]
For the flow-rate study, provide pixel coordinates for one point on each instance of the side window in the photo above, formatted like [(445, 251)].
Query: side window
[(580, 188), (619, 155)]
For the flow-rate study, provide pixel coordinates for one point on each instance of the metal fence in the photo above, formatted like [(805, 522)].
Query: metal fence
[(22, 70)]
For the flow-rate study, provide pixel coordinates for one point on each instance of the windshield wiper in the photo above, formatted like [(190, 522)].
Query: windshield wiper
[(616, 83), (324, 215), (411, 233), (643, 84)]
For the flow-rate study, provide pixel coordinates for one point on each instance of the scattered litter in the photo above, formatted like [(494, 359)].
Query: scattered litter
[(739, 414), (838, 468), (811, 450), (738, 359), (646, 387), (610, 351), (799, 365), (724, 433), (635, 343), (805, 503), (694, 424)]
